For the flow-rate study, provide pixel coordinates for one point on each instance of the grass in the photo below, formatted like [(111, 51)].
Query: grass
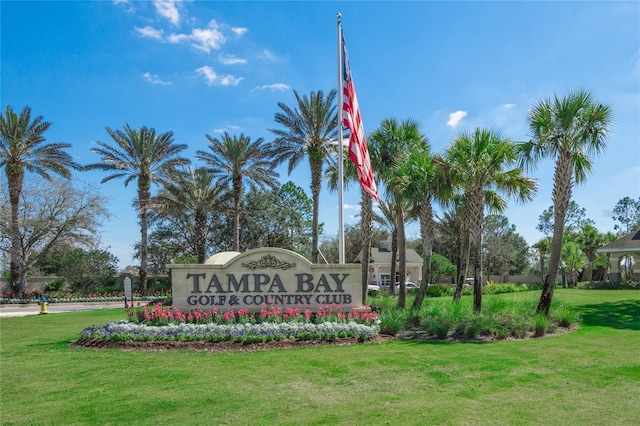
[(590, 376)]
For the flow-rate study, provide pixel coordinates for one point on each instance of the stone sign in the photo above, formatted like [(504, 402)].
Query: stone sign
[(263, 278)]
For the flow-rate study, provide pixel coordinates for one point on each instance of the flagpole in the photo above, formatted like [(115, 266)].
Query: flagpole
[(340, 149)]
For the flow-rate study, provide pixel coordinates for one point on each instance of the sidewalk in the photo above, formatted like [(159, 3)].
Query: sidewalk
[(21, 310)]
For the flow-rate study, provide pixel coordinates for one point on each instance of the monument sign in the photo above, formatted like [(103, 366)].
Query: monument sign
[(262, 278)]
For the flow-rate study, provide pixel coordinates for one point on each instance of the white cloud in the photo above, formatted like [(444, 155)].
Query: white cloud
[(273, 87), (508, 106), (455, 118), (266, 54), (232, 60), (214, 79), (168, 9), (204, 39), (229, 129), (149, 32), (239, 31), (154, 79), (351, 206)]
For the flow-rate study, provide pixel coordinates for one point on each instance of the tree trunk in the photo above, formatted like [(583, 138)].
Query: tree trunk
[(366, 227), (15, 176), (394, 254), (477, 273), (426, 234), (402, 251), (143, 199), (201, 236), (561, 196), (316, 183), (237, 194), (464, 264)]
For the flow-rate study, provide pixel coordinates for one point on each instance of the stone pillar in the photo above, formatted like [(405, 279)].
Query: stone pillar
[(614, 273)]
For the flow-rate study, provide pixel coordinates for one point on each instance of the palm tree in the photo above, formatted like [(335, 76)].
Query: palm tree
[(24, 148), (239, 162), (146, 157), (590, 239), (310, 129), (191, 193), (480, 164), (570, 130), (543, 250), (387, 219), (422, 182), (391, 144)]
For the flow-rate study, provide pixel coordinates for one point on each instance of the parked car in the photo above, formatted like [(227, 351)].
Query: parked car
[(409, 284), (373, 287)]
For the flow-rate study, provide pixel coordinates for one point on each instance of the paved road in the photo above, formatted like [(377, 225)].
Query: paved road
[(9, 310)]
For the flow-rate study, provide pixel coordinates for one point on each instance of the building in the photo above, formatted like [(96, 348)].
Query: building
[(627, 246), (380, 265)]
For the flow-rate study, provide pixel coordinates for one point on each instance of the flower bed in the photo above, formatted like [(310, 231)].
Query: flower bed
[(160, 323)]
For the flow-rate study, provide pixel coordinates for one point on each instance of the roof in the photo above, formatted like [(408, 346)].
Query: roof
[(629, 243), (382, 256)]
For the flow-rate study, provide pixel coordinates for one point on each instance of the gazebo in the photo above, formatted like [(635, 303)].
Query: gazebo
[(625, 246)]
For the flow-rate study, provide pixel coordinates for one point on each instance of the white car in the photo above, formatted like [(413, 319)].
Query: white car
[(373, 287), (410, 286)]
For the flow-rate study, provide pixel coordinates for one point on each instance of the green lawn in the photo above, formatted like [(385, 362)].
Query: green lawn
[(590, 376)]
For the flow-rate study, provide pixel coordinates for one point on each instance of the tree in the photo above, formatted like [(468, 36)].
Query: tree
[(571, 130), (573, 260), (192, 194), (575, 218), (387, 219), (23, 147), (390, 145), (627, 212), (505, 251), (239, 163), (422, 181), (87, 270), (62, 218), (542, 247), (279, 218), (590, 239), (309, 130), (143, 156), (482, 166)]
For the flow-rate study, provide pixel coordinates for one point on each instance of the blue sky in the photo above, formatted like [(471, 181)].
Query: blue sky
[(204, 67)]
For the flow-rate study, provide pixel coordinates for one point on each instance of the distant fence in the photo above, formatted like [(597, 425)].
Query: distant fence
[(33, 284)]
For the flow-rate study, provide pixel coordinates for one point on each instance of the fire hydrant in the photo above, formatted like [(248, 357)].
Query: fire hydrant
[(43, 304)]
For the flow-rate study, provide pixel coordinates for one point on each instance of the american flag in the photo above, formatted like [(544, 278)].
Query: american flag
[(358, 152)]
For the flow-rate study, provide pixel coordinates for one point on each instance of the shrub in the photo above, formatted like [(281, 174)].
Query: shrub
[(606, 285), (498, 288), (391, 321), (564, 316), (54, 285), (540, 324)]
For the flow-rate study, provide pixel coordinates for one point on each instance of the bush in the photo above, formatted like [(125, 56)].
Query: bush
[(606, 285), (54, 285), (540, 324), (495, 288), (391, 321)]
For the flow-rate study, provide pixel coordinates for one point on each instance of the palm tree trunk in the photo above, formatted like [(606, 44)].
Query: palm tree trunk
[(316, 183), (426, 233), (394, 254), (561, 196), (15, 176), (201, 235), (477, 273), (143, 199), (366, 227), (464, 264), (402, 254), (237, 194)]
